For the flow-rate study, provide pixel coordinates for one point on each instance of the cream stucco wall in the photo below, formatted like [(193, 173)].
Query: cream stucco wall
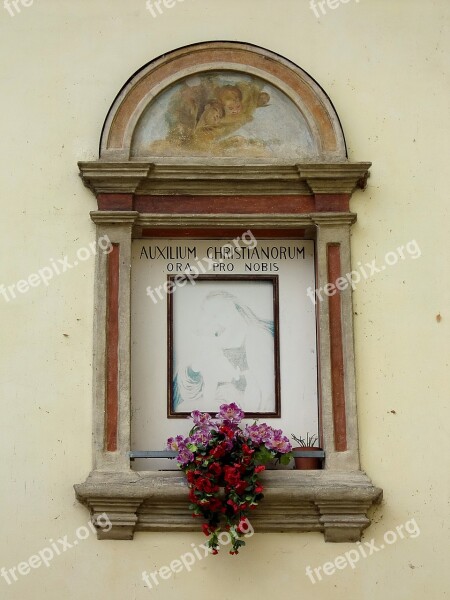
[(384, 64)]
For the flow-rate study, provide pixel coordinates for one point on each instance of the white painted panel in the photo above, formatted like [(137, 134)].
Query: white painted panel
[(153, 260)]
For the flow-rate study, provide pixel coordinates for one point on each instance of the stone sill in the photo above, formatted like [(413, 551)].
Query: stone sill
[(332, 502)]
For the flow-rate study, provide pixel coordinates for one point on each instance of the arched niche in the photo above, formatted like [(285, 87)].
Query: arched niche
[(222, 100), (209, 141)]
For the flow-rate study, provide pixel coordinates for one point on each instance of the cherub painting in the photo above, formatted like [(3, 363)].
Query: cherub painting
[(219, 115)]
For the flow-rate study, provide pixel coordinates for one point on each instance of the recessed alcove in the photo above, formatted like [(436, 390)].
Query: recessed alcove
[(190, 151)]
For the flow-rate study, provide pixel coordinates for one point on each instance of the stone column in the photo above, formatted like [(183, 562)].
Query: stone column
[(111, 386), (336, 350)]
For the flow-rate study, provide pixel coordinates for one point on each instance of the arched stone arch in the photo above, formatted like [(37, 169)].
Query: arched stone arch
[(235, 62)]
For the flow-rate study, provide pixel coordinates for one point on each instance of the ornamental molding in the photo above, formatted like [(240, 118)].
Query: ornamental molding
[(336, 219), (119, 217), (331, 177), (255, 221), (146, 178), (286, 222), (333, 503)]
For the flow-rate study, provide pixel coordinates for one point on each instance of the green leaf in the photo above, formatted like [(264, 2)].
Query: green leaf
[(286, 458), (263, 455)]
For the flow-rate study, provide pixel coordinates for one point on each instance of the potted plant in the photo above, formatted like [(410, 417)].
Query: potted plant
[(222, 463), (310, 443)]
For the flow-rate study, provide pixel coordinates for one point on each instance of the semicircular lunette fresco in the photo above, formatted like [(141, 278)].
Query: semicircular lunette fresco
[(223, 114)]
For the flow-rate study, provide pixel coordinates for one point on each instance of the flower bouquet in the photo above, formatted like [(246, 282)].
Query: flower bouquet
[(222, 462)]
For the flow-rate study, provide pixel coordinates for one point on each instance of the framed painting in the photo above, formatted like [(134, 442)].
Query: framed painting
[(223, 344)]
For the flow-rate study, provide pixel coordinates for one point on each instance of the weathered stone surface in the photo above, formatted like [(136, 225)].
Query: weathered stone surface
[(335, 503), (207, 179)]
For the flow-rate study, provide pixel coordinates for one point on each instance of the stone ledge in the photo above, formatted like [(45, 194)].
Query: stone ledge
[(208, 179), (333, 502)]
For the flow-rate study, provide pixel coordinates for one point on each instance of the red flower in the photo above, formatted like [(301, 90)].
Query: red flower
[(241, 487), (215, 505), (259, 489), (205, 528), (215, 469), (232, 475), (206, 485), (233, 505), (218, 451), (246, 450), (260, 468), (190, 476), (227, 431)]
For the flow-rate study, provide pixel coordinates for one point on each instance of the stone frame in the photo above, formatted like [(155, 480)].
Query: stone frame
[(149, 199)]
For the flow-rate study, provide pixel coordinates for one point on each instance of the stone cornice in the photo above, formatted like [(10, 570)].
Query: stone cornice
[(335, 178), (195, 179), (110, 177), (118, 217), (257, 221), (338, 219), (224, 221)]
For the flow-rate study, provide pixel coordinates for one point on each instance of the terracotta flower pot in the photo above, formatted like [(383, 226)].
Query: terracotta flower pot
[(305, 463)]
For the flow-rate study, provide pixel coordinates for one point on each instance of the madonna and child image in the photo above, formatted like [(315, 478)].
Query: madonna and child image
[(224, 346)]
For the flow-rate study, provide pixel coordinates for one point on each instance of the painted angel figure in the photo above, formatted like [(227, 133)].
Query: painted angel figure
[(202, 118)]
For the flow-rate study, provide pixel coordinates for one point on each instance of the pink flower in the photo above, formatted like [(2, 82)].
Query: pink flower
[(258, 433), (201, 437), (230, 412), (203, 420), (185, 456), (174, 443), (278, 442)]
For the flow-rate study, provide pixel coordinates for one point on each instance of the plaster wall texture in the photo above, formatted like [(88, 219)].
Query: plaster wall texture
[(385, 66)]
